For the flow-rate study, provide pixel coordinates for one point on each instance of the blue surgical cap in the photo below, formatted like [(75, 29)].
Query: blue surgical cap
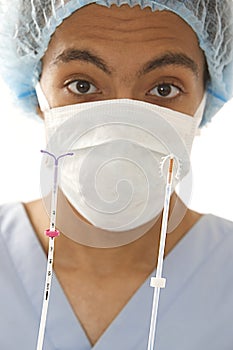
[(26, 27)]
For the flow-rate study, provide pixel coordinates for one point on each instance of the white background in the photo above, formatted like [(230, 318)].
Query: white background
[(21, 139)]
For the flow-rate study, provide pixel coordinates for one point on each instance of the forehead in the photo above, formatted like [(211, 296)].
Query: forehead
[(125, 31)]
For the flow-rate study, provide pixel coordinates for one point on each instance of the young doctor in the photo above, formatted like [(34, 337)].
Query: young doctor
[(122, 85)]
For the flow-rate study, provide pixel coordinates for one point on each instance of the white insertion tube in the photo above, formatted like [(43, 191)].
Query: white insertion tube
[(51, 233), (47, 289), (158, 282)]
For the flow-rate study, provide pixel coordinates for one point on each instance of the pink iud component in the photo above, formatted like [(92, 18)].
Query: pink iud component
[(52, 233)]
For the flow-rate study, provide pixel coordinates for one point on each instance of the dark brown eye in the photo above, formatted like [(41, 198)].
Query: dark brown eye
[(165, 90), (80, 87)]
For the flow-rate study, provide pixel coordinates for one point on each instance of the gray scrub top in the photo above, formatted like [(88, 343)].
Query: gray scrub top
[(195, 310)]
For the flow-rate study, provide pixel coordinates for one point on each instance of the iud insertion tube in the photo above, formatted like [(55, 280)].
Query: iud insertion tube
[(51, 233)]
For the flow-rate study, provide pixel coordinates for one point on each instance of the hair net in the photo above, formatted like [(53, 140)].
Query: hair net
[(26, 27)]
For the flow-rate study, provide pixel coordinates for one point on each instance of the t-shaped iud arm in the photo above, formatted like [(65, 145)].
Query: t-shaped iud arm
[(55, 189)]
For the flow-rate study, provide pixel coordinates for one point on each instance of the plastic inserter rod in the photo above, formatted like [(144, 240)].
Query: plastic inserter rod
[(158, 282), (51, 233)]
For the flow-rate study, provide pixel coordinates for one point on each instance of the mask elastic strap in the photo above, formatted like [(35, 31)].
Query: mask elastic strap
[(200, 110), (43, 103), (199, 114)]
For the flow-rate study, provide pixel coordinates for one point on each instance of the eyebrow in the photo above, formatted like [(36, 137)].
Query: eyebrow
[(167, 59), (82, 55), (170, 58)]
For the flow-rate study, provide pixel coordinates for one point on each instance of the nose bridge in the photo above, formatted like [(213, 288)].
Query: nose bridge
[(124, 93), (124, 88)]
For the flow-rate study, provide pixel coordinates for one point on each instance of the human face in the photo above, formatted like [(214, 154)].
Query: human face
[(101, 53)]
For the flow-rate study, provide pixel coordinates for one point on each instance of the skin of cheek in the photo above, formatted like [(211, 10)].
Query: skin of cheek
[(39, 112)]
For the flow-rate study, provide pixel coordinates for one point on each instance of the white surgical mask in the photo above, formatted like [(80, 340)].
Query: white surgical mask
[(114, 178)]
